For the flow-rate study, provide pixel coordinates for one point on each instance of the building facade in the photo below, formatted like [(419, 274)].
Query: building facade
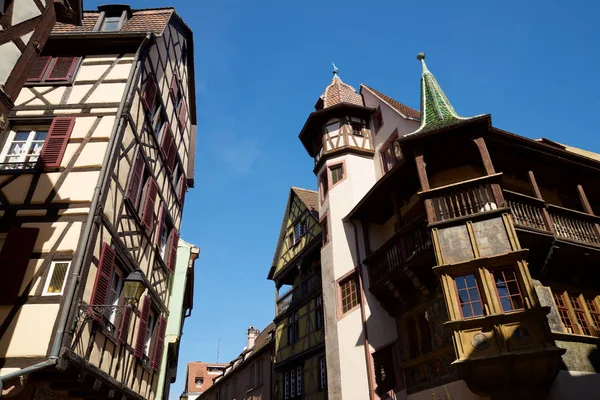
[(181, 303), (449, 252), (26, 25), (299, 363), (199, 378), (250, 375), (95, 164)]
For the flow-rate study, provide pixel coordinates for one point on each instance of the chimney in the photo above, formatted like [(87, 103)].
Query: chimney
[(252, 334)]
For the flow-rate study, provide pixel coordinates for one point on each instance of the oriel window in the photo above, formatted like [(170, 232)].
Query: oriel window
[(508, 289), (468, 296)]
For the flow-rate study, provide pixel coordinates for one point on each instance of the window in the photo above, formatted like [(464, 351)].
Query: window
[(168, 238), (48, 69), (563, 312), (293, 328), (322, 373), (319, 312), (299, 231), (357, 128), (387, 369), (592, 306), (259, 377), (390, 152), (578, 310), (251, 376), (324, 185), (111, 23), (23, 147), (468, 295), (293, 383), (324, 231), (349, 293), (337, 173), (55, 283), (114, 293), (199, 381), (378, 120), (149, 331), (508, 289)]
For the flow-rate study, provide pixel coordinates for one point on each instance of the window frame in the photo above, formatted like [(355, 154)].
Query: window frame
[(567, 297), (44, 77), (319, 315), (350, 276), (293, 328), (481, 298), (333, 166), (510, 295), (49, 277), (149, 340), (111, 14), (388, 354), (324, 222), (384, 153), (378, 121), (324, 184), (9, 141)]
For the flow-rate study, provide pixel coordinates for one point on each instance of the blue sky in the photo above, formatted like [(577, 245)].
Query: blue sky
[(260, 67)]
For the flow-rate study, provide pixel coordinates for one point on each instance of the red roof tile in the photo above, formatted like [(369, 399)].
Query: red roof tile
[(340, 92), (401, 108), (154, 20)]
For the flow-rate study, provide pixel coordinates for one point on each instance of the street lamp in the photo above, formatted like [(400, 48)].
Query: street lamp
[(133, 287)]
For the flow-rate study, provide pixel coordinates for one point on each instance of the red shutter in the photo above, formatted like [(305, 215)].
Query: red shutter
[(14, 260), (175, 86), (183, 114), (149, 93), (148, 213), (125, 323), (182, 186), (160, 344), (106, 266), (135, 183), (62, 68), (56, 142), (36, 72), (167, 138), (161, 216), (168, 148), (140, 344), (172, 156), (173, 250)]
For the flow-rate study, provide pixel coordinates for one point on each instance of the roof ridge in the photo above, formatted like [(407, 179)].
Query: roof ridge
[(306, 190), (401, 108), (135, 9)]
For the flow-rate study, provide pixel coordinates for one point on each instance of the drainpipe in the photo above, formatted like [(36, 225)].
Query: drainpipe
[(363, 315), (85, 240)]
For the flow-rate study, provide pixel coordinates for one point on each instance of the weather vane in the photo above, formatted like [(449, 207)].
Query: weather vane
[(335, 69)]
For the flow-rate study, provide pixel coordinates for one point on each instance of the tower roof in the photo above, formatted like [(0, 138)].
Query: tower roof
[(436, 110), (338, 92)]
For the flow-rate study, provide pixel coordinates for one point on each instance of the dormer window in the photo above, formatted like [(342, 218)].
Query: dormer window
[(112, 17)]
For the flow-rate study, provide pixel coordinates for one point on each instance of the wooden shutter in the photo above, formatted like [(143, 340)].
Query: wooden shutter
[(125, 323), (149, 94), (168, 148), (135, 182), (14, 260), (148, 212), (37, 70), (172, 156), (140, 344), (161, 216), (173, 242), (62, 68), (183, 114), (56, 142), (106, 266), (175, 87), (160, 344), (182, 187)]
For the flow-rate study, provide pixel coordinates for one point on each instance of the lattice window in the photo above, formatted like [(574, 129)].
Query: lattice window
[(468, 295), (592, 306), (563, 312), (349, 293), (579, 311), (56, 280), (508, 289)]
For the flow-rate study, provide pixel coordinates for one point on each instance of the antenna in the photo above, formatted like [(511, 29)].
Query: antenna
[(218, 346)]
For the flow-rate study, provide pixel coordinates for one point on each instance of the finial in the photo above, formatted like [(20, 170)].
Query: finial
[(335, 69), (421, 57)]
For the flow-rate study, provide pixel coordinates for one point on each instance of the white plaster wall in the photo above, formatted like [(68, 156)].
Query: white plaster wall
[(352, 357), (30, 339)]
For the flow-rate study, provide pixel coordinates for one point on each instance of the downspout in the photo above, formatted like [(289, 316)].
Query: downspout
[(363, 314), (79, 259)]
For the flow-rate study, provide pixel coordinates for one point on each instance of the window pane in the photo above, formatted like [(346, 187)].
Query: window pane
[(21, 136), (110, 24), (58, 278), (40, 135), (466, 310), (468, 295), (16, 149)]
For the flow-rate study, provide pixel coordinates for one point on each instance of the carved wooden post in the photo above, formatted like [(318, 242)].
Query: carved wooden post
[(489, 169), (538, 194), (588, 208), (422, 171)]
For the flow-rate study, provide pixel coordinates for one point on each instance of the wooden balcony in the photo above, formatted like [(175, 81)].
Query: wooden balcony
[(298, 294), (574, 225), (405, 245)]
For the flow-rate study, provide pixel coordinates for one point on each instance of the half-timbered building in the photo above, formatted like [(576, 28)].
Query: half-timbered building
[(460, 260), (299, 364), (26, 25), (94, 167)]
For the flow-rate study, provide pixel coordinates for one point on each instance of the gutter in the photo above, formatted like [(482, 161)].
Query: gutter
[(363, 315), (77, 263)]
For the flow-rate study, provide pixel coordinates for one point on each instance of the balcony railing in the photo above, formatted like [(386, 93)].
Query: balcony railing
[(403, 246), (306, 288), (573, 225), (18, 166), (526, 211), (463, 198)]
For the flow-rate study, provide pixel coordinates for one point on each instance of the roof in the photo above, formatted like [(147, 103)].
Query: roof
[(310, 198), (436, 110), (339, 92), (403, 109), (142, 20)]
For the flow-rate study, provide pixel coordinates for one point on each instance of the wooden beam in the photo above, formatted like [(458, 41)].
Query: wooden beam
[(485, 155)]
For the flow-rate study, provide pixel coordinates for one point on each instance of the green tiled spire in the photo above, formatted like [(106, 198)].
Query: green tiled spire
[(436, 110)]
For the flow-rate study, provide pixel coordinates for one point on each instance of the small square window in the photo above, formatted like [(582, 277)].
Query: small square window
[(378, 120), (349, 293), (199, 381), (57, 277), (357, 128), (337, 173)]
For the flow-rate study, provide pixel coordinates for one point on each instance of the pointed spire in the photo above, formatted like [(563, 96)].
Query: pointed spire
[(339, 92), (436, 109)]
